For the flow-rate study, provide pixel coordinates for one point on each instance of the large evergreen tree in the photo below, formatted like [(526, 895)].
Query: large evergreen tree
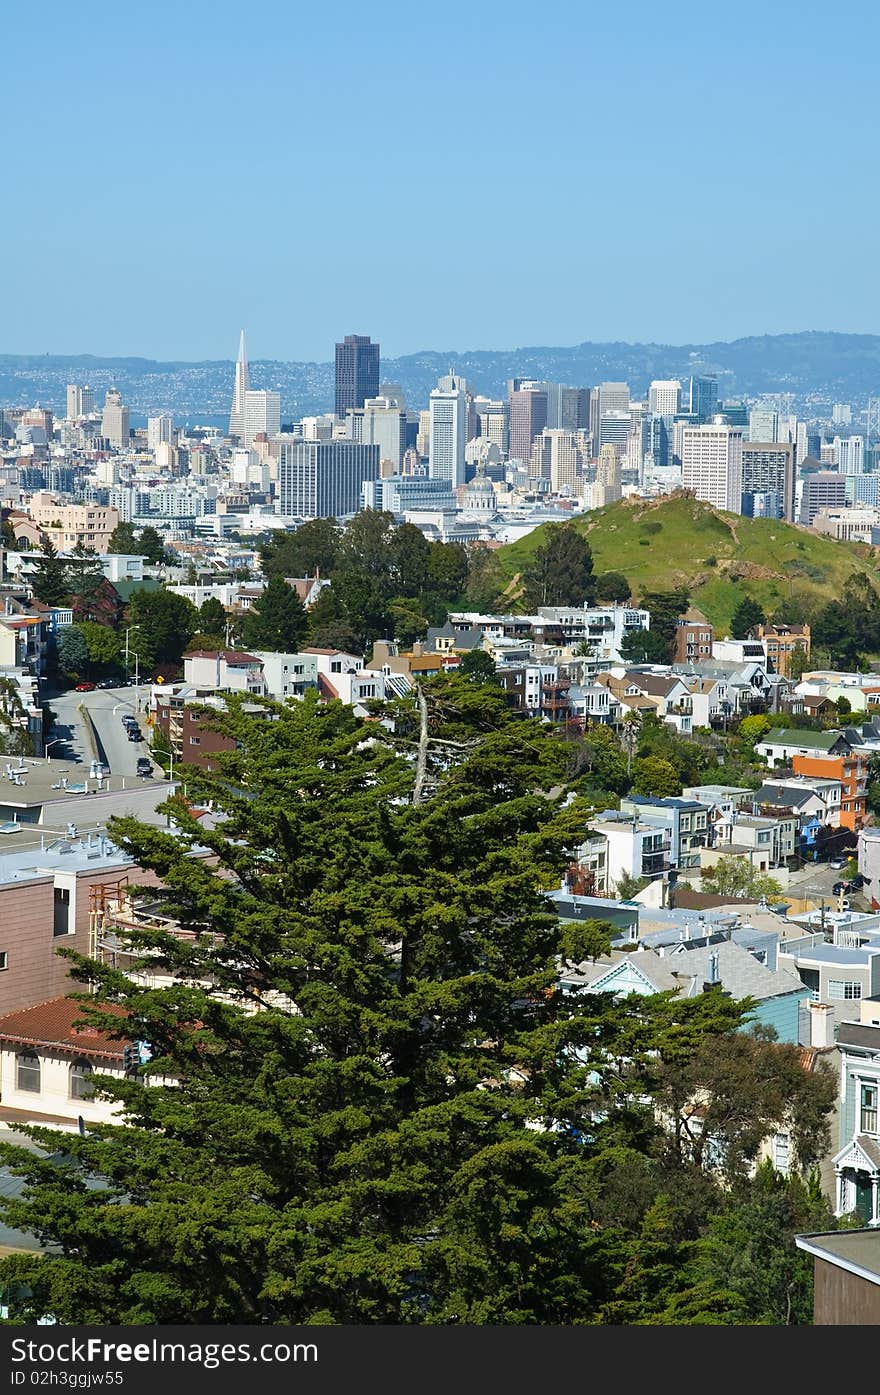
[(277, 619), (561, 571), (387, 1109), (48, 580)]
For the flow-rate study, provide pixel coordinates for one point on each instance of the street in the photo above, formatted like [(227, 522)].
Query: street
[(106, 707)]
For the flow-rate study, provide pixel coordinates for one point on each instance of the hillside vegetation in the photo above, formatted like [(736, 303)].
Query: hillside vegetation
[(722, 557)]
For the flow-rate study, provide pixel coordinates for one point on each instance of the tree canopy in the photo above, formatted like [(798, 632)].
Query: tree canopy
[(388, 1106), (276, 620), (561, 571)]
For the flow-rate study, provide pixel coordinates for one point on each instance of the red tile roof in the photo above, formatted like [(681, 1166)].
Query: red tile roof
[(51, 1024)]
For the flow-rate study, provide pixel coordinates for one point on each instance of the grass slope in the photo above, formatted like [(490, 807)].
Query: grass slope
[(676, 541)]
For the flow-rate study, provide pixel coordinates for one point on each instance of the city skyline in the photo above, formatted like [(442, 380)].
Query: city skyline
[(652, 243)]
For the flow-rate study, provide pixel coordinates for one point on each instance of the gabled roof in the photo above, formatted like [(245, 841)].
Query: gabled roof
[(51, 1024), (818, 740)]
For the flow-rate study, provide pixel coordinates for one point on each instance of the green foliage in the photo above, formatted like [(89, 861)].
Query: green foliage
[(654, 775), (644, 647), (212, 616), (611, 587), (751, 730), (746, 617), (478, 667), (737, 877), (124, 539), (311, 550), (665, 608), (597, 762), (72, 652), (102, 645), (165, 624), (561, 571), (276, 620), (447, 570), (48, 580), (151, 547)]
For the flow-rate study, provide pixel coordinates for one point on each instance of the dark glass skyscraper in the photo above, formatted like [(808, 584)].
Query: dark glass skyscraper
[(357, 372)]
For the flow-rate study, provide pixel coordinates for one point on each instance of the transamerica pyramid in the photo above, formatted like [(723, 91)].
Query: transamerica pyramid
[(242, 383)]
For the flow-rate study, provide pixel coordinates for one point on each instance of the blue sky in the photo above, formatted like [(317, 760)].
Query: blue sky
[(438, 176)]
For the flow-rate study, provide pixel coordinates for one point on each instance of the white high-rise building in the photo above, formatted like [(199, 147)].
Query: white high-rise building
[(160, 430), (80, 401), (114, 419), (850, 454), (607, 487), (763, 424), (841, 414), (664, 397), (448, 430), (712, 464), (262, 414), (380, 422), (242, 383)]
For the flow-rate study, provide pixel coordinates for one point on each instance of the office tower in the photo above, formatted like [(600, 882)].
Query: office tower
[(660, 440), (664, 397), (768, 467), (863, 491), (801, 441), (423, 437), (324, 479), (242, 385), (841, 414), (114, 419), (527, 417), (394, 393), (262, 415), (763, 424), (734, 413), (822, 489), (850, 454), (703, 398), (80, 401), (614, 429), (613, 397), (448, 430), (814, 445), (607, 489), (380, 422), (160, 430), (711, 464), (558, 456), (492, 421), (357, 372), (787, 427)]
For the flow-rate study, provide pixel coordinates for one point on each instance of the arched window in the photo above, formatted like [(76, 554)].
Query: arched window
[(29, 1072), (80, 1084)]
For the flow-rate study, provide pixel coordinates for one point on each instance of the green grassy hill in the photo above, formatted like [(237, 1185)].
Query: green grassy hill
[(722, 557)]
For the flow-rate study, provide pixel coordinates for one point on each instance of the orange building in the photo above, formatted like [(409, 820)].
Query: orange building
[(852, 772)]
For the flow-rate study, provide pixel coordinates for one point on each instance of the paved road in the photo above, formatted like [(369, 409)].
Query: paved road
[(106, 707)]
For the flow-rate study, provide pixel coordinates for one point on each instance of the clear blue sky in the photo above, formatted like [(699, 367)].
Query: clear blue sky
[(439, 176)]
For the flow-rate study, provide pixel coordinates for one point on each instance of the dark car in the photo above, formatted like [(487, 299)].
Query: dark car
[(107, 683), (144, 766), (128, 720), (135, 734), (846, 887)]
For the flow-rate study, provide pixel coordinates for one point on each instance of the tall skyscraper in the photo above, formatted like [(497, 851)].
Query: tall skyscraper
[(80, 401), (115, 420), (607, 489), (380, 422), (850, 454), (768, 468), (527, 417), (664, 397), (324, 479), (242, 384), (448, 430), (703, 398), (160, 431), (763, 424), (711, 464), (357, 372), (841, 414), (823, 489), (262, 414)]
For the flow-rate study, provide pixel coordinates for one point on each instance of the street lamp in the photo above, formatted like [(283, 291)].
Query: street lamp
[(53, 742), (137, 686)]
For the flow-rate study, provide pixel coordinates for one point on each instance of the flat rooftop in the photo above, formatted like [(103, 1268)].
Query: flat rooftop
[(857, 1251)]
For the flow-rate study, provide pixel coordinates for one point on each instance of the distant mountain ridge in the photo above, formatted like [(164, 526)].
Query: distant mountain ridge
[(816, 367)]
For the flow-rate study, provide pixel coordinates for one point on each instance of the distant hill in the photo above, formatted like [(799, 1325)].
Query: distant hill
[(817, 367), (722, 557)]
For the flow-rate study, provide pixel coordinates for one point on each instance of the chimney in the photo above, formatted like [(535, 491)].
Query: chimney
[(821, 1024), (713, 978)]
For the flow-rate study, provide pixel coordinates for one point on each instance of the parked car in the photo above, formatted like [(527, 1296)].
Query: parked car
[(135, 734), (838, 862), (128, 720), (144, 766), (857, 882), (844, 887), (85, 687), (106, 683)]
